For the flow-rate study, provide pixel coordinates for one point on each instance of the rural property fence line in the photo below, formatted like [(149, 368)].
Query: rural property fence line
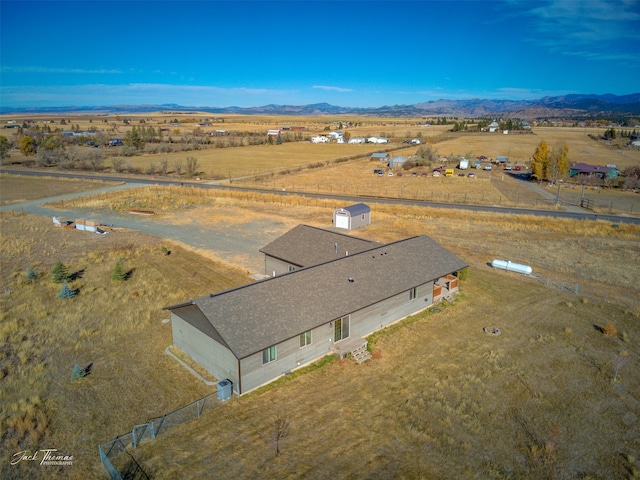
[(115, 455), (596, 294)]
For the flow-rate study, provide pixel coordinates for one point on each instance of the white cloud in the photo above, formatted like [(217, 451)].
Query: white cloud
[(333, 89), (591, 30), (64, 71)]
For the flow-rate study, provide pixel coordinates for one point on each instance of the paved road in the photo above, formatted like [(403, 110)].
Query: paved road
[(575, 213)]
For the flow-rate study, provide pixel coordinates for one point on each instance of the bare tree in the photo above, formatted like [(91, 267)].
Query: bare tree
[(164, 165), (279, 430), (192, 166), (177, 166)]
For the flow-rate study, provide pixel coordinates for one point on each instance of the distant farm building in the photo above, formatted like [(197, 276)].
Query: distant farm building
[(382, 157), (589, 171), (397, 162), (354, 216)]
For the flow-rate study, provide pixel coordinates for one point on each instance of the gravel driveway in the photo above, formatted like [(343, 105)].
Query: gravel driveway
[(238, 245)]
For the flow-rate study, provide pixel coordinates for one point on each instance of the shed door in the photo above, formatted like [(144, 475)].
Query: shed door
[(342, 221)]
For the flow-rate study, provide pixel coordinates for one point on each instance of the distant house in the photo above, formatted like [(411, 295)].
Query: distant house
[(353, 216), (319, 139), (377, 140), (273, 132), (305, 246), (354, 140), (502, 159), (253, 334), (383, 157), (493, 127), (397, 162), (586, 170)]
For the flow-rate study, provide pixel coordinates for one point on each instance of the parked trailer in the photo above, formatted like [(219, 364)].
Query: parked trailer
[(512, 267), (464, 164)]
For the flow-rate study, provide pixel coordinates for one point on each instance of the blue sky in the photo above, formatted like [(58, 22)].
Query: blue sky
[(358, 54)]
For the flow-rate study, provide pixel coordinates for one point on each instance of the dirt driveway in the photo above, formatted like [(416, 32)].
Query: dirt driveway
[(236, 243)]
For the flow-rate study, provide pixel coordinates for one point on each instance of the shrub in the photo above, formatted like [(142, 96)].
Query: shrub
[(609, 329)]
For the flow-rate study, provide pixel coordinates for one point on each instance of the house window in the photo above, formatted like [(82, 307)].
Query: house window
[(341, 328), (291, 268), (268, 355), (305, 339), (413, 293)]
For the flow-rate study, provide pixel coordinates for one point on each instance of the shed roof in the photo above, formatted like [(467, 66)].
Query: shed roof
[(357, 209), (305, 245), (253, 317), (587, 168), (379, 155)]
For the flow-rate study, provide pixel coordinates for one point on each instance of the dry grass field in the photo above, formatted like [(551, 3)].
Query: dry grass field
[(438, 389), (440, 399), (22, 189)]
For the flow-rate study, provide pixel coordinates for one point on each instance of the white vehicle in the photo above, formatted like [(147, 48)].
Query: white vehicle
[(464, 164), (487, 167)]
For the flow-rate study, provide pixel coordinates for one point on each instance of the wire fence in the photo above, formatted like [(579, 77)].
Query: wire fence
[(596, 294), (115, 455)]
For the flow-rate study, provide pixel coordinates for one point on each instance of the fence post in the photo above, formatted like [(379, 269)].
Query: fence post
[(576, 289), (548, 281)]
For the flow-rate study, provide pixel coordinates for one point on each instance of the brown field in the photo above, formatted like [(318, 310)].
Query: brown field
[(439, 400)]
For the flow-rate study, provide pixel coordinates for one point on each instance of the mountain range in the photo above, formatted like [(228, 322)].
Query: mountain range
[(566, 106)]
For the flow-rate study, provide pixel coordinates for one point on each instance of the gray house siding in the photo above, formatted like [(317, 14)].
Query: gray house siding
[(289, 356), (386, 312), (213, 356), (274, 266)]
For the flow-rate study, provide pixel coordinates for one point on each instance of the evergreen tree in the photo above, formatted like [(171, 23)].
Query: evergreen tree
[(60, 272), (31, 274), (118, 274), (66, 292)]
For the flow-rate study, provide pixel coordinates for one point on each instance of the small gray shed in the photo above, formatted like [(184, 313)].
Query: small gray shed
[(354, 216)]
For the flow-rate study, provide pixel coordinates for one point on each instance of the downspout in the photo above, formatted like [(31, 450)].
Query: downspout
[(239, 379)]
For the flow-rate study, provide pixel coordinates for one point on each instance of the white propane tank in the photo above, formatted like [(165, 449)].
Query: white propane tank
[(512, 267)]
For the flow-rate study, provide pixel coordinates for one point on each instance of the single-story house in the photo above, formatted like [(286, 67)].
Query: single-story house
[(397, 162), (493, 127), (381, 156), (305, 246), (353, 216), (502, 159), (586, 170), (273, 132), (319, 139), (253, 334)]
